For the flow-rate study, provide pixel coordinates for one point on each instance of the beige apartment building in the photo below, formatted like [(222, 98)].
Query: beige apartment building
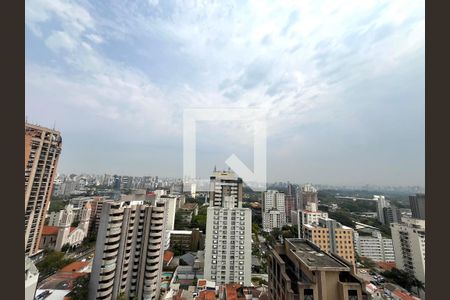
[(129, 251), (42, 150), (299, 270), (331, 237)]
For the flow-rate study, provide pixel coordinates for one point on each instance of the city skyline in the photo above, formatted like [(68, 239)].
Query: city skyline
[(346, 107)]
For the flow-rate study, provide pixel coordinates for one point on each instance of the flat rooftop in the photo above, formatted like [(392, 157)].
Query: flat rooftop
[(313, 257)]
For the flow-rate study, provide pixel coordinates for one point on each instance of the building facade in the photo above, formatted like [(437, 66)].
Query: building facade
[(227, 245), (273, 210), (310, 215), (228, 232), (300, 270), (417, 204), (409, 246), (381, 204), (129, 251), (306, 194), (223, 184), (332, 237), (374, 247), (392, 215), (42, 151)]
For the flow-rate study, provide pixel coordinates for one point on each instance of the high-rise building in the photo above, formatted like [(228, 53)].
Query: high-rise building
[(273, 210), (392, 215), (228, 232), (409, 246), (129, 251), (42, 150), (227, 243), (290, 202), (301, 270), (332, 237), (374, 247), (307, 194), (381, 204), (417, 204), (310, 215), (222, 184)]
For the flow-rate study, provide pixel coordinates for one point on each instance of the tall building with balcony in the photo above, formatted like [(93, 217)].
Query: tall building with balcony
[(374, 247), (332, 237), (301, 270), (417, 204), (42, 151), (227, 245), (306, 194), (129, 251), (409, 246), (222, 184), (228, 232), (273, 210)]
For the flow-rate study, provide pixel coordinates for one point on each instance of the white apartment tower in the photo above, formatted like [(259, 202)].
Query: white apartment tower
[(128, 251), (222, 184), (374, 247), (273, 210), (381, 204), (228, 234), (409, 246)]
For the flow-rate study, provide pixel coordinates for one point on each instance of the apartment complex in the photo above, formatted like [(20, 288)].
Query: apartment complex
[(310, 215), (374, 247), (186, 240), (301, 270), (392, 215), (332, 237), (42, 150), (417, 204), (223, 184), (129, 251), (409, 246), (306, 194), (228, 232), (381, 204), (273, 210), (227, 245)]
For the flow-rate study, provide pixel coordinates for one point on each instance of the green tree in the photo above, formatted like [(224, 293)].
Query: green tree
[(404, 279), (52, 262), (80, 288)]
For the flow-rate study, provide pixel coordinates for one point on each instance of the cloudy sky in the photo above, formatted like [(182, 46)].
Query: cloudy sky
[(342, 83)]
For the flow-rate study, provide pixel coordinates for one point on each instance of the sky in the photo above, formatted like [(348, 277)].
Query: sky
[(341, 84)]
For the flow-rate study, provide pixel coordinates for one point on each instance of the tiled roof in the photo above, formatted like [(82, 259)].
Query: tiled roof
[(50, 230)]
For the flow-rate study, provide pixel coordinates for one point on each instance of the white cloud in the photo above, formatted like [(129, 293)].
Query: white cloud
[(295, 58), (60, 40)]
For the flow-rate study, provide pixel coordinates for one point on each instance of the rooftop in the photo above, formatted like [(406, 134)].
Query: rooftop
[(313, 257), (76, 266)]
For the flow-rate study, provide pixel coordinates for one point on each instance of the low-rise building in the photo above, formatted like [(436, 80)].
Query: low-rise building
[(301, 270), (187, 240)]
